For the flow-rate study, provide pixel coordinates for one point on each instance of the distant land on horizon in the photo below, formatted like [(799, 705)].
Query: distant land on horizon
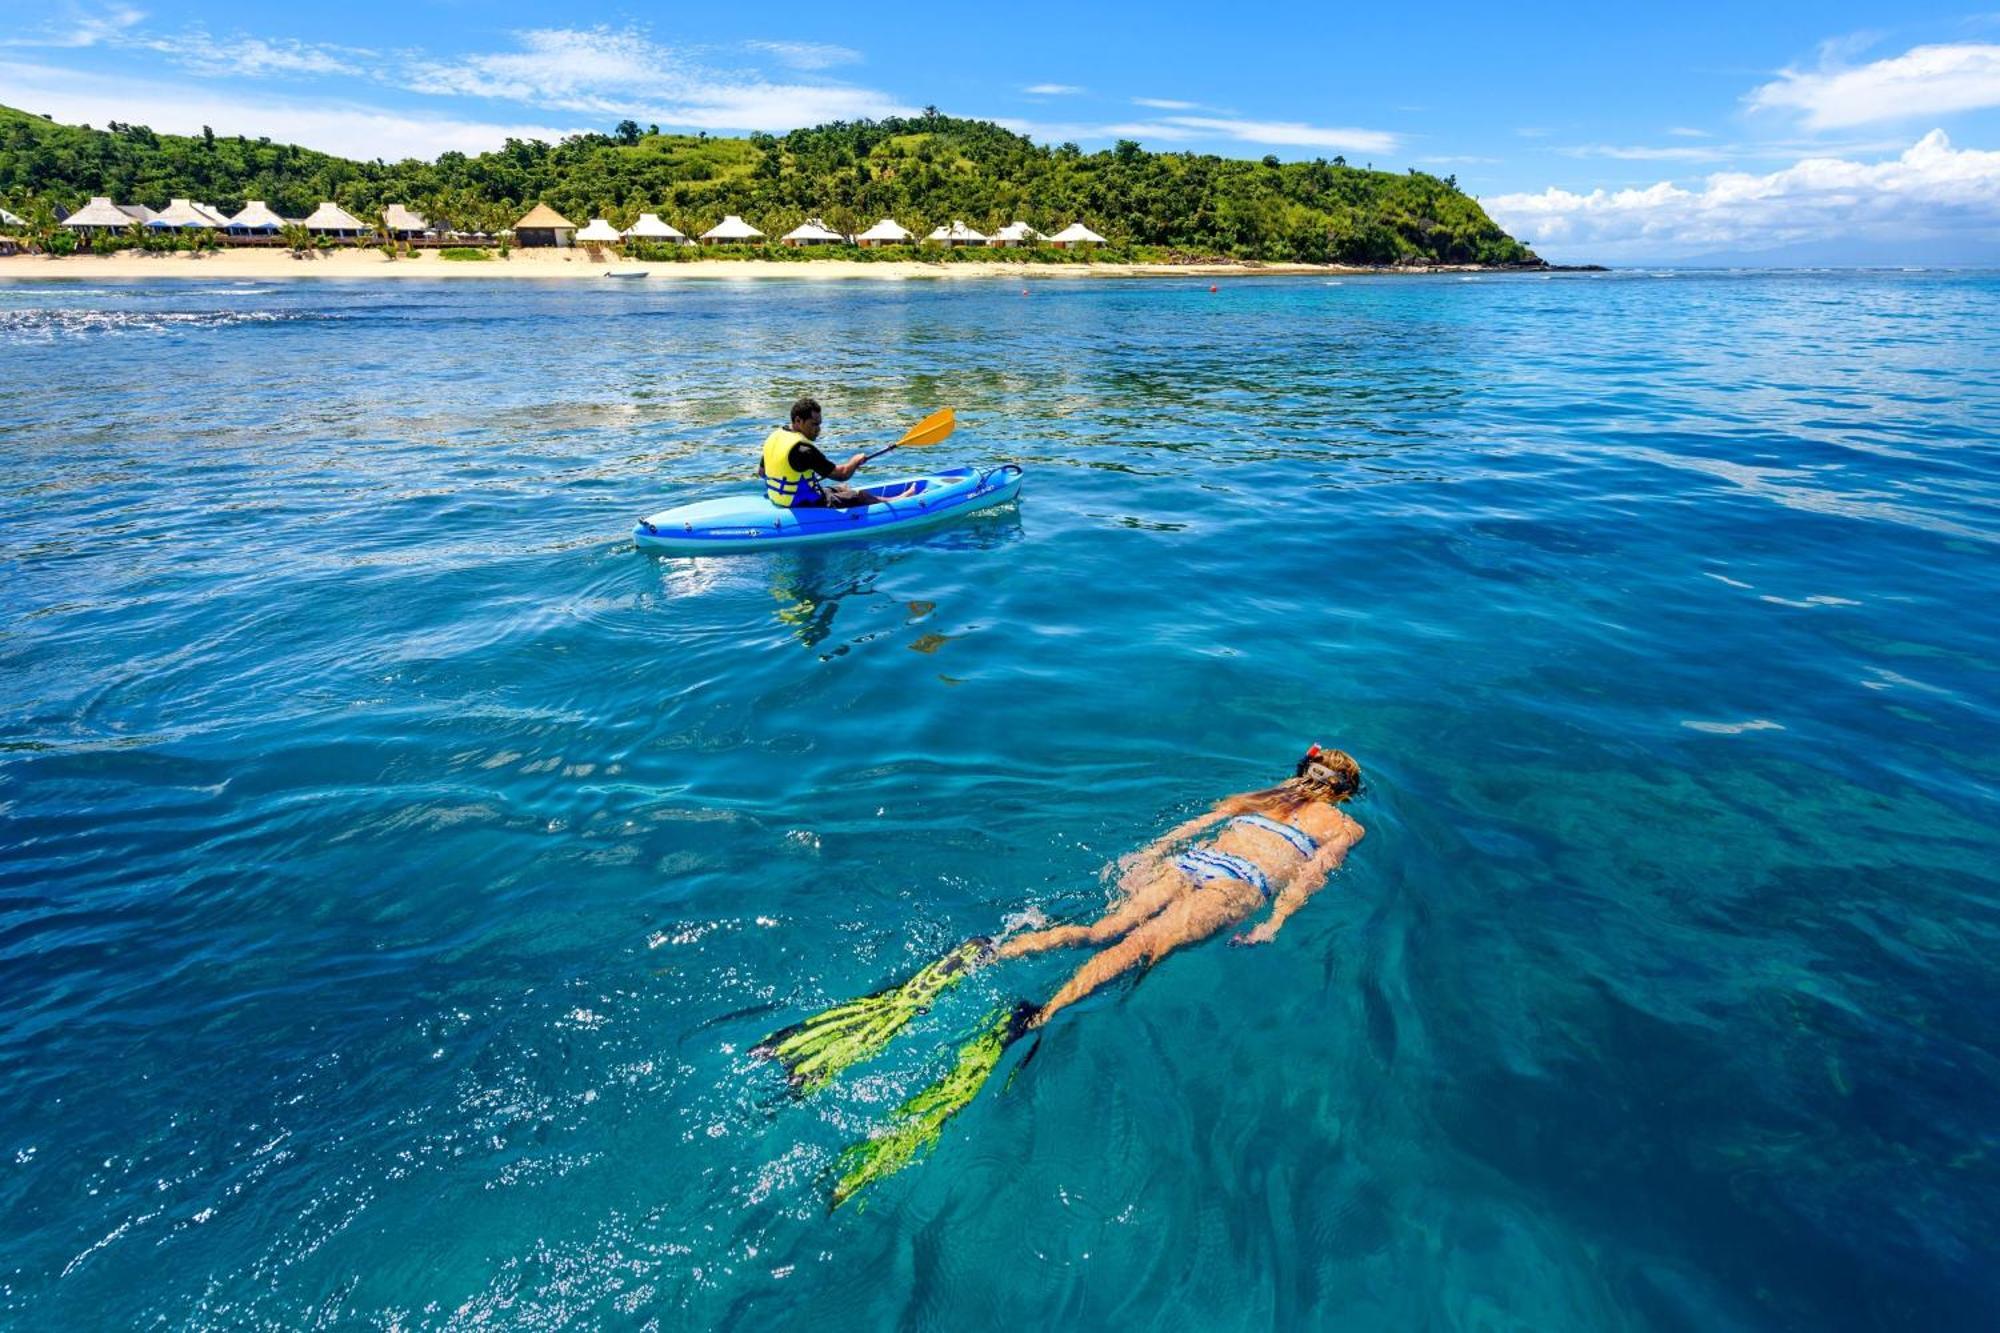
[(925, 171)]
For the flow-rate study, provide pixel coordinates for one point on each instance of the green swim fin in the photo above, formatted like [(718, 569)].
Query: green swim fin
[(915, 1125), (815, 1051)]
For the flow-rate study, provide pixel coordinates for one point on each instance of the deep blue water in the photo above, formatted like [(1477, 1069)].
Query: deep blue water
[(398, 865)]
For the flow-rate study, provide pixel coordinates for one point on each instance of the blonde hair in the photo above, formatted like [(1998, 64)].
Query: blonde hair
[(1323, 775)]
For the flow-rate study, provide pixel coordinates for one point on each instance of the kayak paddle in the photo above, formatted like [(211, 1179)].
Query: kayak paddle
[(930, 430)]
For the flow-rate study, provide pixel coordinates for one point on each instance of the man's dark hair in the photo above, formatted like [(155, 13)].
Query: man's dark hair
[(804, 409)]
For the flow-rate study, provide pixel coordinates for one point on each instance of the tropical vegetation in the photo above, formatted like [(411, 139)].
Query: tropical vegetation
[(924, 170)]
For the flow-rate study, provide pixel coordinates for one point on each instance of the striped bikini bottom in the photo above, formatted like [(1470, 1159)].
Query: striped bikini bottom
[(1205, 865)]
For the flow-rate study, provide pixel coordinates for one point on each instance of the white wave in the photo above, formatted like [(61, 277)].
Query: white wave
[(1733, 728), (48, 325)]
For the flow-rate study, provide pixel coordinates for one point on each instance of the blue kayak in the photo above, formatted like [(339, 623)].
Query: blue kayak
[(749, 522)]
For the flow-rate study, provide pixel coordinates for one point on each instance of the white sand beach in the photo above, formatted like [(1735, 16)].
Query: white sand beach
[(576, 264)]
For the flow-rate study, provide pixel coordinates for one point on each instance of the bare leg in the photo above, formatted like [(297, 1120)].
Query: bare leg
[(1142, 901), (1188, 921)]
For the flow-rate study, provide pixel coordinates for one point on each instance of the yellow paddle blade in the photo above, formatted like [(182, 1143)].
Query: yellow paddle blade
[(931, 429)]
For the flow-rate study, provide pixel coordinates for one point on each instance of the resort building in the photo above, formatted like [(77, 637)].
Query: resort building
[(650, 228), (403, 224), (732, 230), (886, 232), (1074, 236), (184, 215), (600, 232), (956, 234), (256, 219), (544, 226), (1014, 233), (100, 215), (330, 219), (813, 232), (10, 220)]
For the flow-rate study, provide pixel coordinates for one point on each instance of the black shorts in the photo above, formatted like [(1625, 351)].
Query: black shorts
[(843, 497)]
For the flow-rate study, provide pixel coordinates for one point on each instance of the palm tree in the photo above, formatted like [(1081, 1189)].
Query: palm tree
[(44, 232)]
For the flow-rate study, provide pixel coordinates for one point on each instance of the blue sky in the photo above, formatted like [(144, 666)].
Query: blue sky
[(1677, 132)]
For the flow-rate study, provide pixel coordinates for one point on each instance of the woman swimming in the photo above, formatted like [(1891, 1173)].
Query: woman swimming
[(1276, 849)]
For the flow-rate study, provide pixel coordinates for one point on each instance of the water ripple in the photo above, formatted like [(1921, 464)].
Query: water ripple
[(399, 866)]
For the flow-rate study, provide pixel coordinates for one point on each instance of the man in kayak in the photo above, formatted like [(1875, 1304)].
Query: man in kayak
[(793, 466)]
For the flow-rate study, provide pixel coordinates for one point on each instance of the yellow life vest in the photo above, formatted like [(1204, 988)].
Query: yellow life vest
[(784, 484)]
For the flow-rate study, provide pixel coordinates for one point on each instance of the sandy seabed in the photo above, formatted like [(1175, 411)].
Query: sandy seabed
[(569, 265)]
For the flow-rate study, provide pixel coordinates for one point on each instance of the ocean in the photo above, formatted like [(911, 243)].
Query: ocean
[(399, 866)]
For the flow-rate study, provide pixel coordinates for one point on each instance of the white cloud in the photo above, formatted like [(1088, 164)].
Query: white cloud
[(179, 108), (1456, 159), (78, 27), (606, 73), (1931, 190), (601, 73), (1760, 152), (1208, 129), (552, 65), (1848, 47), (1287, 133), (1683, 132), (1053, 131), (808, 55), (1924, 81), (194, 48), (255, 57), (1641, 154)]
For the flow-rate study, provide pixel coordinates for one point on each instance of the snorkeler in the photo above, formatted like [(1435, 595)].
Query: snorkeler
[(1277, 850)]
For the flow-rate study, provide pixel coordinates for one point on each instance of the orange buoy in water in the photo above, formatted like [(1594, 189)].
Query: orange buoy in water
[(1211, 286)]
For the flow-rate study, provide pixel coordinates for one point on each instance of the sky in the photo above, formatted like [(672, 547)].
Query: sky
[(1821, 132)]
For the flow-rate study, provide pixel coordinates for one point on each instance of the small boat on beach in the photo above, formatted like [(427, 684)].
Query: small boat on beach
[(749, 522), (625, 273)]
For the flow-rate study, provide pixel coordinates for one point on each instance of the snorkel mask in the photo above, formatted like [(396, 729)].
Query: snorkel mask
[(1317, 772), (1312, 761)]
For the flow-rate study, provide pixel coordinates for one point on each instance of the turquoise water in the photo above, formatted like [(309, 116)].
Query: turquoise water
[(399, 866)]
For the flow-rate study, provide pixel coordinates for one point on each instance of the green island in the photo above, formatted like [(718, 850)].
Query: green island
[(927, 170)]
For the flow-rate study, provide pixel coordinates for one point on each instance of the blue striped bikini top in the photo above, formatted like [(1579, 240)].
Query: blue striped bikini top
[(1302, 842)]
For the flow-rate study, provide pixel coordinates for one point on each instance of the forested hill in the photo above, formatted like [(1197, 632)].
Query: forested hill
[(924, 171)]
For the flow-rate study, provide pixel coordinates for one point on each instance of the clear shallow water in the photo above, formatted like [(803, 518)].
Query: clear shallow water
[(397, 865)]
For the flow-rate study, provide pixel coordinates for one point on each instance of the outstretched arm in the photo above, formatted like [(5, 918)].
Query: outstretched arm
[(1310, 879)]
